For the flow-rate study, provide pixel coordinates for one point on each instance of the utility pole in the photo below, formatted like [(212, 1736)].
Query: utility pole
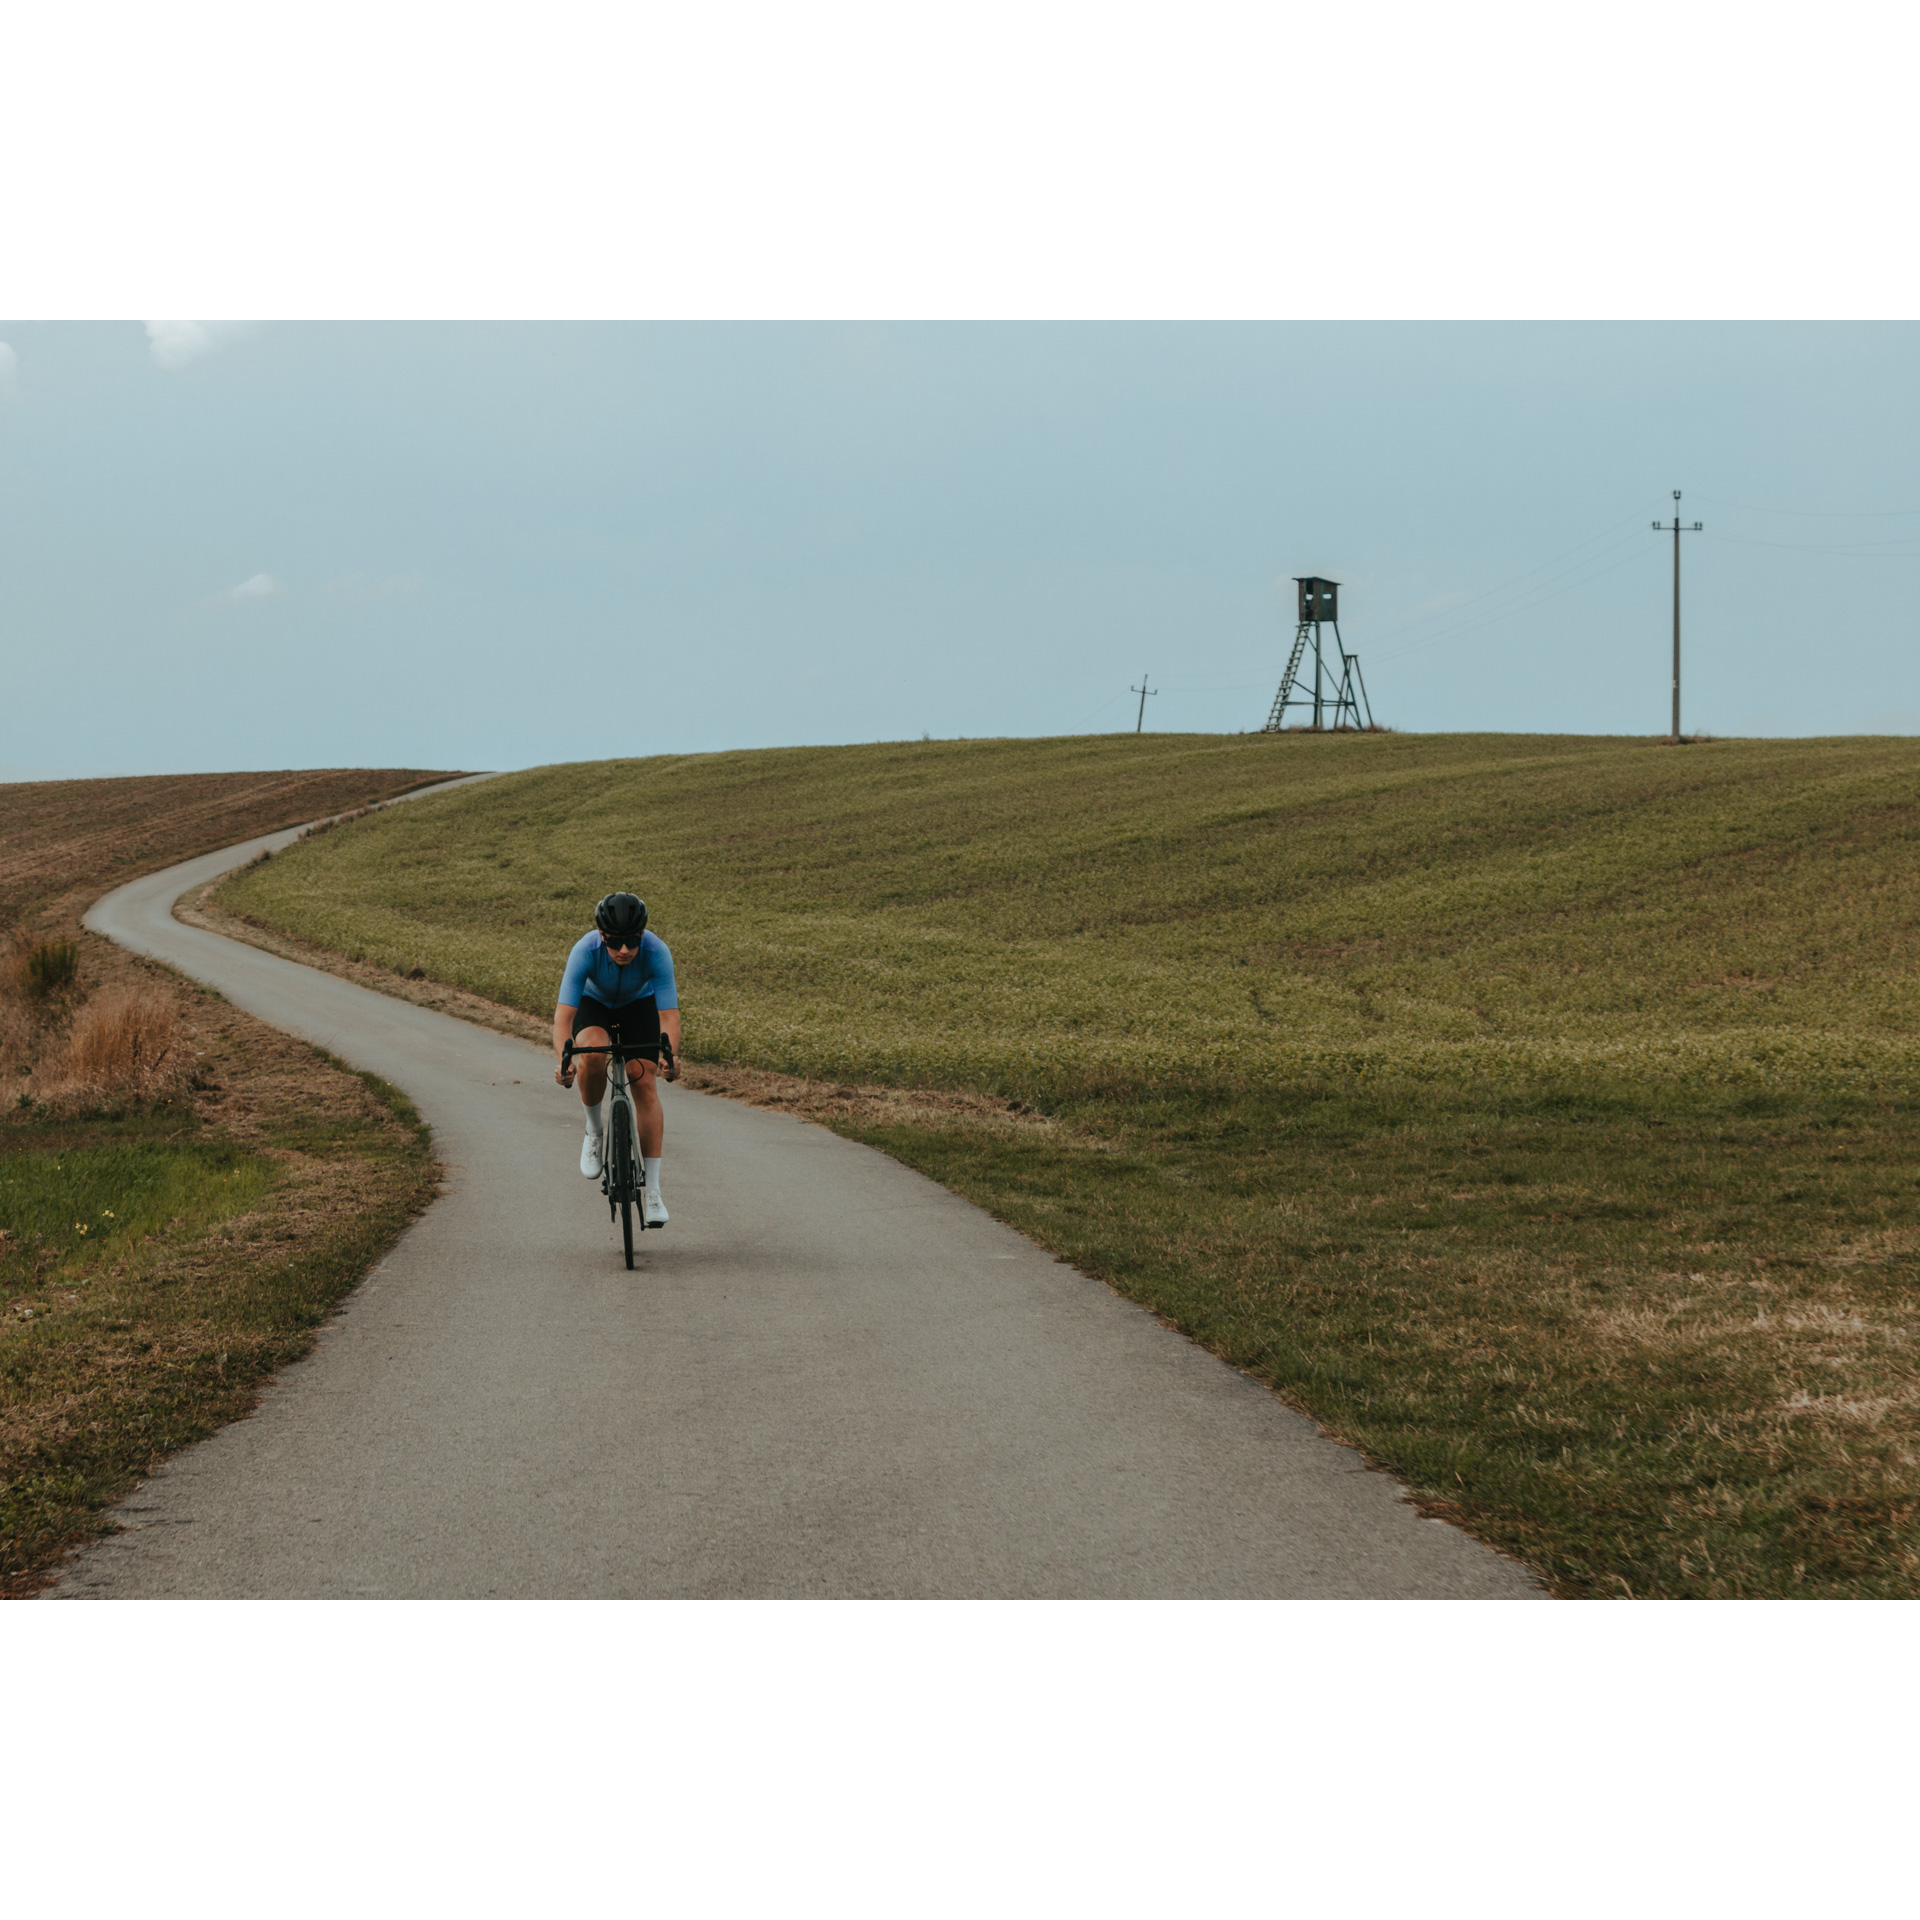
[(1676, 530), (1143, 690)]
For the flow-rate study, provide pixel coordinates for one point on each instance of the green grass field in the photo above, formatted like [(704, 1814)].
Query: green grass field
[(157, 1273), (65, 1210), (1538, 1113)]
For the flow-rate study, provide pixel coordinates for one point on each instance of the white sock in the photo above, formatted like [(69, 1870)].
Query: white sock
[(595, 1125), (653, 1173)]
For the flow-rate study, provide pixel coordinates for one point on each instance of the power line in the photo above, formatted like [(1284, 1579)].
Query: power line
[(1498, 614), (1905, 548), (1817, 513), (1245, 686), (1520, 580), (1578, 578), (1103, 706)]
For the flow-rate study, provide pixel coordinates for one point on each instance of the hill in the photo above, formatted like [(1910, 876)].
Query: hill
[(1033, 913), (1537, 1112)]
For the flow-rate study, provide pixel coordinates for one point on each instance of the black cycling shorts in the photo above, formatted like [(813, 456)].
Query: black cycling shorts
[(636, 1026)]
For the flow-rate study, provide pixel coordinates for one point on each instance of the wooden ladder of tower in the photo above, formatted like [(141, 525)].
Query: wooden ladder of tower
[(1276, 718)]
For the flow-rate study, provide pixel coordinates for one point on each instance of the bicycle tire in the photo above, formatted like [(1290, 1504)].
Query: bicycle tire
[(623, 1183)]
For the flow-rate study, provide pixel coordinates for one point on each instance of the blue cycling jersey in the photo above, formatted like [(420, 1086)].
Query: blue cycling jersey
[(591, 969)]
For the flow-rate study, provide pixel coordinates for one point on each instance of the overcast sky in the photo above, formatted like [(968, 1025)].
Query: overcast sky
[(490, 545)]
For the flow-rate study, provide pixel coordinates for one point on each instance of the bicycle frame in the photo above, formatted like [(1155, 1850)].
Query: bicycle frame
[(621, 1178)]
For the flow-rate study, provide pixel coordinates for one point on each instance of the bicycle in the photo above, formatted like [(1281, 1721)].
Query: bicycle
[(622, 1178)]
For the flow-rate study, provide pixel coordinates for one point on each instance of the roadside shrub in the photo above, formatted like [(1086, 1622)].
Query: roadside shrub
[(52, 964), (125, 1037)]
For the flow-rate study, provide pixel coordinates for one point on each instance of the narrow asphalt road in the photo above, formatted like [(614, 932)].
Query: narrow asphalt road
[(827, 1377)]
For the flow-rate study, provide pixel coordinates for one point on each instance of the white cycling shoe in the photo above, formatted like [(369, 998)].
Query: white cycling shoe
[(590, 1155), (654, 1208)]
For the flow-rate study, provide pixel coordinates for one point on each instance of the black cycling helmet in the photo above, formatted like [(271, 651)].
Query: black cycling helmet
[(621, 918)]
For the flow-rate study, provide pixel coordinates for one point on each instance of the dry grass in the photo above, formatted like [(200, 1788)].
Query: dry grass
[(16, 1042), (126, 1038), (79, 1051)]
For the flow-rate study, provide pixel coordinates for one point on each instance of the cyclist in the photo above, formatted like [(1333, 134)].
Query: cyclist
[(618, 986)]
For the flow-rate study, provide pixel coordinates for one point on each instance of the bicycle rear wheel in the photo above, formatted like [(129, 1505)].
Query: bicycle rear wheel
[(624, 1169)]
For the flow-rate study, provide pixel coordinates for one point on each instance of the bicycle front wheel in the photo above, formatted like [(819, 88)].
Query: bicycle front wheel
[(624, 1169)]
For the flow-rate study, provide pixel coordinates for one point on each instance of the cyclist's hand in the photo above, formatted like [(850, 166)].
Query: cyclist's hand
[(564, 1075)]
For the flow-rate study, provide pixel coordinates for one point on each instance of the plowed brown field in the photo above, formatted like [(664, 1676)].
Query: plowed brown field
[(59, 834)]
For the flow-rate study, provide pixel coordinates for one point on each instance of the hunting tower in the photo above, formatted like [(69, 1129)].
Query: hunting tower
[(1336, 699)]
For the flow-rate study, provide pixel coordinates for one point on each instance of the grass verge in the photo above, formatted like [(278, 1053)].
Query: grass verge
[(1560, 1330), (205, 1265)]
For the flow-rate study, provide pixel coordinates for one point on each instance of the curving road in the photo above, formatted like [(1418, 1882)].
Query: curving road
[(827, 1377)]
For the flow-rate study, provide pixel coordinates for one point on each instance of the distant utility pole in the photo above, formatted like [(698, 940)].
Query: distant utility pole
[(1143, 690), (1660, 526)]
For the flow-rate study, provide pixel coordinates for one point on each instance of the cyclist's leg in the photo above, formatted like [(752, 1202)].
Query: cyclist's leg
[(647, 1113), (590, 1077), (653, 1133), (591, 1068)]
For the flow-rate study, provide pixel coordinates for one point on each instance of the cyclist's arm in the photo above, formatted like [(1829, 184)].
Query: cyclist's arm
[(566, 1007), (666, 995)]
